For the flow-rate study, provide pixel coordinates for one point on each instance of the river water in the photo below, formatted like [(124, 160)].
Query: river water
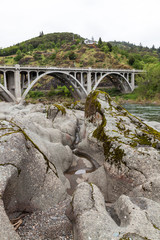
[(146, 112)]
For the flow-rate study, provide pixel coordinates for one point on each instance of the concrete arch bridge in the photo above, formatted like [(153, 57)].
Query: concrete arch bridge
[(16, 81)]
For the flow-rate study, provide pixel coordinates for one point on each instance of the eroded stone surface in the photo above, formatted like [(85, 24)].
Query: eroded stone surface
[(122, 143), (121, 153), (138, 217)]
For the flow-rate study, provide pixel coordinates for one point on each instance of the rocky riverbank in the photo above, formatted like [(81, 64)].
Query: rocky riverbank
[(99, 157)]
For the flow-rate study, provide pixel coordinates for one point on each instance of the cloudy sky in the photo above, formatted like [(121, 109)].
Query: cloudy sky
[(135, 21)]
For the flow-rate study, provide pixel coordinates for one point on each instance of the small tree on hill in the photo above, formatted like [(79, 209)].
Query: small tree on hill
[(100, 42), (18, 56), (109, 46), (72, 56)]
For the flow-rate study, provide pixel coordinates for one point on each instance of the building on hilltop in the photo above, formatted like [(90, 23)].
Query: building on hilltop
[(88, 41)]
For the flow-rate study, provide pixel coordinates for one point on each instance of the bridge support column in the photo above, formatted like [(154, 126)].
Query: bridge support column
[(82, 78), (5, 81), (29, 80), (75, 75), (89, 85), (17, 84), (23, 81), (132, 81), (95, 78)]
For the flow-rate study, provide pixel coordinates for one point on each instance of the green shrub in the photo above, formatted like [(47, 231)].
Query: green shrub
[(73, 47), (149, 84), (35, 94), (60, 90), (53, 56), (72, 56), (64, 90)]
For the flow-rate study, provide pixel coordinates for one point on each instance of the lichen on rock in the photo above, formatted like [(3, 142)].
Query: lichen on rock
[(117, 129), (60, 108)]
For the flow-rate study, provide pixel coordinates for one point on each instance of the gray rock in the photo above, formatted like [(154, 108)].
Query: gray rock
[(120, 142), (91, 219), (149, 189), (153, 124), (28, 175), (28, 179), (33, 175), (52, 112), (7, 231), (118, 147), (138, 217)]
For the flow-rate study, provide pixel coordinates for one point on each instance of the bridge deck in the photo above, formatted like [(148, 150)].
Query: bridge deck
[(16, 81), (50, 68)]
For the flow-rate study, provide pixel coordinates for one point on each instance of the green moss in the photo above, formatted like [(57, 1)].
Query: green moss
[(99, 132), (75, 103), (144, 140), (46, 159), (112, 154), (120, 126), (124, 238), (133, 144), (72, 105), (131, 236), (12, 164), (156, 227), (92, 105), (126, 132), (6, 134), (1, 129), (154, 132), (60, 108), (150, 137)]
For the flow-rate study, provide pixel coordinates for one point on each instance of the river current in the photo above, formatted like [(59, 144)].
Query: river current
[(146, 112)]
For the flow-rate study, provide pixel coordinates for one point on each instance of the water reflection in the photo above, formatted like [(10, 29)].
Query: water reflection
[(147, 112)]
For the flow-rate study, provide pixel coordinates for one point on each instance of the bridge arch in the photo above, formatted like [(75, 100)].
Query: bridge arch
[(6, 94), (67, 78), (124, 85)]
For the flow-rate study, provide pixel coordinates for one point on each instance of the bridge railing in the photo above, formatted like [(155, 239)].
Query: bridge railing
[(70, 69)]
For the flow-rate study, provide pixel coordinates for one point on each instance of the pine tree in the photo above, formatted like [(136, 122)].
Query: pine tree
[(100, 42)]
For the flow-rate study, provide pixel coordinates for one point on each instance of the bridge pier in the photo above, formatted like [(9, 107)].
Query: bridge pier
[(82, 78), (10, 84), (89, 85), (96, 78), (5, 80), (17, 84), (132, 81), (29, 80)]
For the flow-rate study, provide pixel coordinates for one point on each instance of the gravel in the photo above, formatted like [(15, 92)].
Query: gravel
[(47, 225)]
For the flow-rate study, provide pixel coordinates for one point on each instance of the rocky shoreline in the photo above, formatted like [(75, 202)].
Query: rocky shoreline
[(84, 172)]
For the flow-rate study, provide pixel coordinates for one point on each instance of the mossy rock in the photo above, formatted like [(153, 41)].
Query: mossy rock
[(116, 128), (133, 236), (60, 108)]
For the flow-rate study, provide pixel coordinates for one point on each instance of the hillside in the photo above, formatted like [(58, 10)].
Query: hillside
[(69, 50)]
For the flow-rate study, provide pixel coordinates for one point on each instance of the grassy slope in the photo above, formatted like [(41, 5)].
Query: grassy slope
[(68, 50), (86, 56), (56, 49)]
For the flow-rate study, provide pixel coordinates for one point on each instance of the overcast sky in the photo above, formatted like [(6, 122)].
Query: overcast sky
[(135, 21)]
